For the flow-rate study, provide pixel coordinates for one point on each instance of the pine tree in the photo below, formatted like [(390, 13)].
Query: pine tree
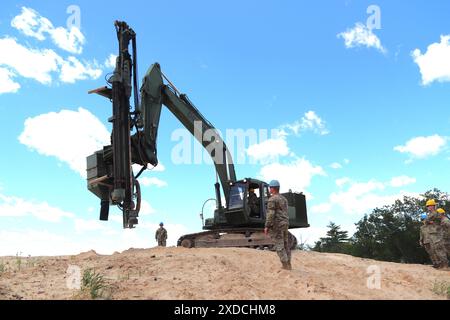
[(335, 241)]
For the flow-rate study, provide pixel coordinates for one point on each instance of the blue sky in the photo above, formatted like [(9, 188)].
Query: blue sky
[(360, 96)]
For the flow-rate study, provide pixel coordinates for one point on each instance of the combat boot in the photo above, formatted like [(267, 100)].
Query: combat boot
[(286, 265), (443, 265), (289, 265)]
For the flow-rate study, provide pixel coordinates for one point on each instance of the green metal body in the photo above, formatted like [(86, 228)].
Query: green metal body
[(238, 214)]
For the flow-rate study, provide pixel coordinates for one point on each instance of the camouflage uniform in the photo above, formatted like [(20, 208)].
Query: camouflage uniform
[(446, 226), (432, 236), (253, 203), (161, 236), (277, 222)]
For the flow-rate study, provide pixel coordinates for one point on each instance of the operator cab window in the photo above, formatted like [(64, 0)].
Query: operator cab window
[(237, 196), (254, 201)]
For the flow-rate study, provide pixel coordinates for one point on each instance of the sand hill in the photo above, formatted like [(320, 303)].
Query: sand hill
[(231, 273)]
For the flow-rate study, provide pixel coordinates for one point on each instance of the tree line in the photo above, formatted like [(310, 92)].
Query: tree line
[(389, 233)]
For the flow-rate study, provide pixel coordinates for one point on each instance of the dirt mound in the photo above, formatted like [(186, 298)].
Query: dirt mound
[(91, 254), (231, 273)]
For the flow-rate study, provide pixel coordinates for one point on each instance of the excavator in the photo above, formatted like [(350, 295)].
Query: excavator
[(110, 175)]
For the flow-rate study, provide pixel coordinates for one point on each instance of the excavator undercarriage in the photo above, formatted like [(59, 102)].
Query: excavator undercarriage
[(238, 237)]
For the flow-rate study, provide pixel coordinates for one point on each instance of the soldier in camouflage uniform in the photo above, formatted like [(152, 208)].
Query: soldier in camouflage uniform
[(277, 224), (445, 222), (253, 203), (432, 236), (161, 235)]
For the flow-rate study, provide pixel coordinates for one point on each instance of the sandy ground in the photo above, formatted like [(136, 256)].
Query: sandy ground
[(231, 273)]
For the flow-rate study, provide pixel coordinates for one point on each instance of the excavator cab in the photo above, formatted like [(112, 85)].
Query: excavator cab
[(246, 206), (241, 221)]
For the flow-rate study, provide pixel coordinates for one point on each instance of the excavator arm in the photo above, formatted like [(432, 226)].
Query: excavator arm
[(154, 94)]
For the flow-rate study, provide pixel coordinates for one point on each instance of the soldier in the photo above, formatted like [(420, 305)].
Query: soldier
[(161, 235), (432, 235), (277, 224), (425, 241), (253, 203), (446, 224)]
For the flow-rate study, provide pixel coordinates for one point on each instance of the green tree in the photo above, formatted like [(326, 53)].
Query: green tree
[(336, 240), (391, 233)]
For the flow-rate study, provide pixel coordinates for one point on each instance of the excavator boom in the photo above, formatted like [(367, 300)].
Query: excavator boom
[(154, 94)]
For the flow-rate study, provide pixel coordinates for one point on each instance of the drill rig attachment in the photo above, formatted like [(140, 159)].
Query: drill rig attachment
[(109, 171)]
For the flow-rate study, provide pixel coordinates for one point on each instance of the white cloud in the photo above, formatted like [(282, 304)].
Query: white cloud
[(312, 234), (340, 182), (401, 181), (82, 225), (97, 236), (434, 64), (32, 24), (39, 64), (18, 207), (321, 208), (361, 197), (146, 181), (110, 62), (67, 135), (29, 63), (361, 35), (295, 175), (146, 208), (423, 147), (36, 243), (309, 122), (268, 150), (309, 235), (72, 70), (159, 168), (116, 218), (71, 41), (7, 84), (45, 243), (336, 165), (361, 188)]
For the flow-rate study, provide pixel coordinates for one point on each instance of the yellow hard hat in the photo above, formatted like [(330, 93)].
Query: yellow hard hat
[(440, 210), (430, 202)]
